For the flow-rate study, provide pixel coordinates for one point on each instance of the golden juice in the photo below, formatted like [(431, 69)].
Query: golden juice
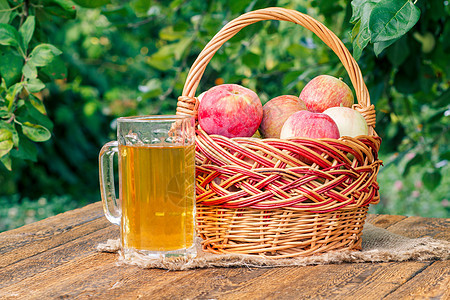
[(157, 194)]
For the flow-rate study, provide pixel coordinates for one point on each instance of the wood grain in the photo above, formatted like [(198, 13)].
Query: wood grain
[(384, 221), (193, 284), (48, 228), (415, 227), (354, 281), (430, 283), (64, 251), (96, 274), (206, 283), (56, 258), (51, 240)]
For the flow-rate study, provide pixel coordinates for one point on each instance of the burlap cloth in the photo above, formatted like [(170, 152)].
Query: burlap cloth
[(378, 245)]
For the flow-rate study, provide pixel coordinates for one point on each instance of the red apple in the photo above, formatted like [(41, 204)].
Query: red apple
[(230, 110), (276, 112), (349, 121), (325, 91), (312, 125)]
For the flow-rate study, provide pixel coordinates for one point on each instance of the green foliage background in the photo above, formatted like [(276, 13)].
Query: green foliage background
[(69, 68)]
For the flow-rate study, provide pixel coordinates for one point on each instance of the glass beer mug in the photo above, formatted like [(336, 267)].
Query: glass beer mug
[(156, 205)]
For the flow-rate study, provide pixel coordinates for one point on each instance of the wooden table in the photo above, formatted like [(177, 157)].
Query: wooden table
[(57, 258)]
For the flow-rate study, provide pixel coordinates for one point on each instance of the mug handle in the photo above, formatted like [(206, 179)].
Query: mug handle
[(111, 206)]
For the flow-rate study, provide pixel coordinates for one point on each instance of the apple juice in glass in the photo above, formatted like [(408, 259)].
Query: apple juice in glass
[(156, 206)]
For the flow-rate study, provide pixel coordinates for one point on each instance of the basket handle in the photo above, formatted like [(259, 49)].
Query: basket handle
[(186, 102)]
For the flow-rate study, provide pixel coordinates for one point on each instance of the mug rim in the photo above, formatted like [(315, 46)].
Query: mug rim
[(147, 118)]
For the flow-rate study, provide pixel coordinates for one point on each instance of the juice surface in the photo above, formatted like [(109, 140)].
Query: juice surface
[(157, 194)]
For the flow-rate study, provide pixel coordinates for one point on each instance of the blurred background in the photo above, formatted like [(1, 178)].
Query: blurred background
[(69, 69)]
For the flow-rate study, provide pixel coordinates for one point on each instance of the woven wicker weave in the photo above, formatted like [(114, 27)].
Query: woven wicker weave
[(283, 198)]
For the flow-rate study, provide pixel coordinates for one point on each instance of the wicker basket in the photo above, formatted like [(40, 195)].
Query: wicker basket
[(283, 198)]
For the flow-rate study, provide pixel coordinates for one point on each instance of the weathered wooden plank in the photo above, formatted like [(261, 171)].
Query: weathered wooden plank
[(51, 241), (353, 281), (238, 283), (65, 248), (59, 260), (49, 228), (430, 283), (96, 275), (381, 282), (46, 280), (203, 284), (193, 284), (319, 282), (384, 221), (415, 227)]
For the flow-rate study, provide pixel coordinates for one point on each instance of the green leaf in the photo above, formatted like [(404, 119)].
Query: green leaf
[(61, 8), (391, 19), (251, 60), (169, 34), (34, 85), (26, 31), (181, 46), (296, 50), (11, 65), (436, 117), (26, 150), (152, 88), (355, 30), (4, 113), (161, 61), (37, 116), (56, 69), (361, 40), (36, 133), (175, 3), (5, 134), (11, 128), (3, 86), (43, 54), (92, 3), (141, 7), (6, 161), (14, 90), (5, 12), (29, 70), (8, 35), (238, 7), (431, 179), (6, 142), (418, 158), (29, 113), (5, 147), (380, 46), (356, 10), (39, 106), (360, 32)]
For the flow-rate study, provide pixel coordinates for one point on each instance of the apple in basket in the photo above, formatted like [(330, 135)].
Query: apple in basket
[(230, 110), (311, 125), (325, 91), (276, 111), (199, 97), (349, 121)]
